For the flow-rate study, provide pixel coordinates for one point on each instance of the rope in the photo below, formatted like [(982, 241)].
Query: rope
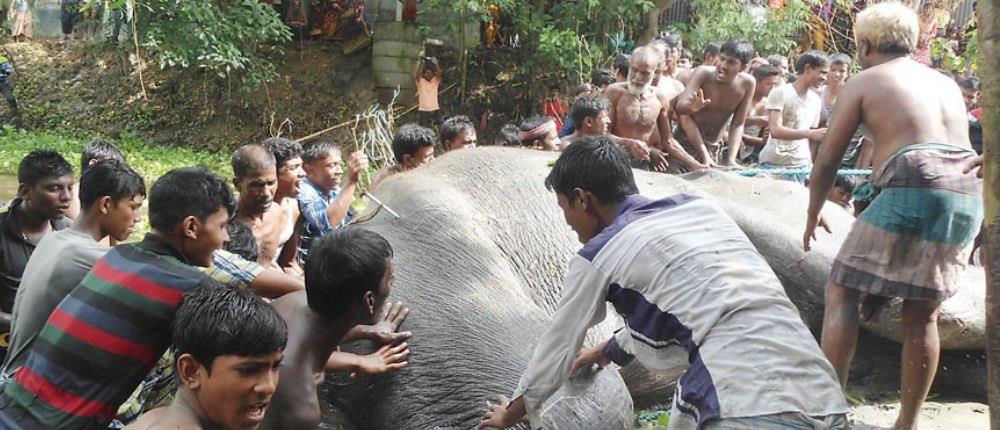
[(754, 171)]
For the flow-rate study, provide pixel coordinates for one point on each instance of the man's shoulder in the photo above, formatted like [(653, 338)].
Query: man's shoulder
[(615, 90)]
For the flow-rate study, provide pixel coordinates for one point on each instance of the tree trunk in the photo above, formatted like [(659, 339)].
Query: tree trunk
[(989, 58), (651, 28)]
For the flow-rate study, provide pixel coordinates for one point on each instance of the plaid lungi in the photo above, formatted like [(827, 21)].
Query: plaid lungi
[(914, 239)]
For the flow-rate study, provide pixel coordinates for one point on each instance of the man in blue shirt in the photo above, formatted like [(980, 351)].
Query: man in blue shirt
[(324, 203)]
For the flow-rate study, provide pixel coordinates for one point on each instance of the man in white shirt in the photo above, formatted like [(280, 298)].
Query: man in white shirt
[(793, 113), (681, 273)]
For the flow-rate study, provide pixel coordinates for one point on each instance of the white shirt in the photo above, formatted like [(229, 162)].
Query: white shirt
[(797, 112), (681, 273)]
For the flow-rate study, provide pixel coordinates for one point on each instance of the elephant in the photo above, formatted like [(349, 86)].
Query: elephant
[(480, 247)]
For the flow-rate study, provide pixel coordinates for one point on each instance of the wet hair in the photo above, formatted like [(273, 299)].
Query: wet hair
[(251, 158), (112, 178), (686, 54), (840, 58), (811, 59), (40, 164), (317, 151), (596, 164), (621, 64), (98, 150), (968, 83), (586, 107), (342, 266), (670, 40), (776, 59), (215, 321), (282, 149), (602, 78), (739, 49), (712, 48), (890, 27), (454, 126), (184, 192), (409, 139), (764, 71), (847, 182), (508, 135), (531, 124), (582, 89)]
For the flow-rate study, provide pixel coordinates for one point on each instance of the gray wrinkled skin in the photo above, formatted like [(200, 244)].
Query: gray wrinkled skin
[(480, 252)]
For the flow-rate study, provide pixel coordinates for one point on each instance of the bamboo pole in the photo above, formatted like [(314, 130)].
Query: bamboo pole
[(989, 57)]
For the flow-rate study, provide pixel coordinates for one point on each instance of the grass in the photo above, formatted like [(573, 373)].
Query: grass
[(151, 161)]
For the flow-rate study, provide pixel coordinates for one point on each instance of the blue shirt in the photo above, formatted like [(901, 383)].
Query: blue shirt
[(316, 224), (568, 127)]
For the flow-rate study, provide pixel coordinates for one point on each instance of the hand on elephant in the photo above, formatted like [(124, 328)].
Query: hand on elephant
[(387, 359), (657, 160), (637, 148), (589, 357), (385, 329), (502, 414), (810, 234)]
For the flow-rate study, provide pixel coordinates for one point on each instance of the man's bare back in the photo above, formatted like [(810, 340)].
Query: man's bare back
[(295, 404), (901, 103)]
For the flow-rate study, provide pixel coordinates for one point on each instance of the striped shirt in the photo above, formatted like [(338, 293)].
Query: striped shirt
[(101, 340), (682, 274)]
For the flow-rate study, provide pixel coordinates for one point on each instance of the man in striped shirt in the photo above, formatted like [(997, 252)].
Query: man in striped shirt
[(681, 273), (107, 334)]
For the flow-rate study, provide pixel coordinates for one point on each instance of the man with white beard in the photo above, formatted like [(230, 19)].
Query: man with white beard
[(637, 109)]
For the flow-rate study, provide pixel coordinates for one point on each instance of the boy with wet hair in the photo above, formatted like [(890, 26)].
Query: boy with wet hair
[(539, 132), (794, 111), (105, 336), (711, 54), (111, 194), (412, 146), (325, 203), (680, 272), (457, 132), (288, 159), (620, 65), (591, 112), (349, 275), (97, 150), (44, 192), (229, 345), (508, 136)]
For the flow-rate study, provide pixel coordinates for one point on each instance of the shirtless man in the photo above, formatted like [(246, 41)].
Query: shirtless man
[(669, 47), (913, 240), (714, 97), (348, 277), (591, 112), (755, 133), (288, 160), (637, 108), (709, 57), (260, 224)]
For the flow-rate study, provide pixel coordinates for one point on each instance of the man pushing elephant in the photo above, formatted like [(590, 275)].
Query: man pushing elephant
[(681, 273)]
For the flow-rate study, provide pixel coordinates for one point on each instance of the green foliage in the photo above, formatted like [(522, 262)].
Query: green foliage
[(151, 161), (652, 419), (955, 60), (772, 31), (568, 40), (224, 37)]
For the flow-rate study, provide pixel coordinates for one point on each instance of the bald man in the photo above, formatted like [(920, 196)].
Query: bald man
[(638, 109)]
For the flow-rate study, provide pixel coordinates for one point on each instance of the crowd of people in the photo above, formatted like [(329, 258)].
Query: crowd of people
[(228, 313)]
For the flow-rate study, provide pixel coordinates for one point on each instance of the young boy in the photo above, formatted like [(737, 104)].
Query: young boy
[(95, 151), (793, 115), (45, 183), (412, 146), (348, 277), (591, 113), (325, 205), (229, 344), (105, 336), (680, 272), (427, 78), (458, 132), (288, 159), (111, 194)]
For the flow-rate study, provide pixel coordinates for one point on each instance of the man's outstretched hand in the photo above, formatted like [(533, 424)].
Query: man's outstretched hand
[(385, 329), (387, 359), (810, 235)]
